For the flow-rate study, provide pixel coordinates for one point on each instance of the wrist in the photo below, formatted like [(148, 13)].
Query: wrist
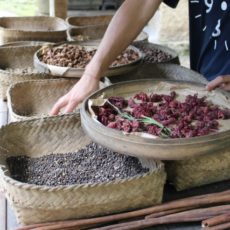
[(94, 70)]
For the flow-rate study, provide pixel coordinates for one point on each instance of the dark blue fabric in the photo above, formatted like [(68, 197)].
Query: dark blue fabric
[(209, 36), (172, 3)]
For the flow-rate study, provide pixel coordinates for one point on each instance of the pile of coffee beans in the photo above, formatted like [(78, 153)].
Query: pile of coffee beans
[(92, 164), (76, 56), (152, 54)]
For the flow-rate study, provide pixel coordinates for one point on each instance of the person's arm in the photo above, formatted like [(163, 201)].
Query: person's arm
[(126, 24), (222, 82)]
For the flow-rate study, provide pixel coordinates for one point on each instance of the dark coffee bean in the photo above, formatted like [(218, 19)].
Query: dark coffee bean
[(92, 164), (152, 54)]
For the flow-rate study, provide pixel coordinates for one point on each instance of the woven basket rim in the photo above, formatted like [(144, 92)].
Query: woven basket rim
[(21, 74), (24, 43)]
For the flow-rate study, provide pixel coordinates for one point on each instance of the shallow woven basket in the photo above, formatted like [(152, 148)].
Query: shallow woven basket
[(25, 43), (15, 59), (94, 34), (197, 171), (161, 71), (34, 99), (40, 28), (62, 134), (83, 21)]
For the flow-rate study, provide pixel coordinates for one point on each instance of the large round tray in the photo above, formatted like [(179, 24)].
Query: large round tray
[(77, 72), (164, 149)]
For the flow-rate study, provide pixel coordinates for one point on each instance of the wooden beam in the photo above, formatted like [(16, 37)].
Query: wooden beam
[(58, 8)]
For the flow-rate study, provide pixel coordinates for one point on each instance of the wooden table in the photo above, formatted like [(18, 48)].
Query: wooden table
[(8, 220)]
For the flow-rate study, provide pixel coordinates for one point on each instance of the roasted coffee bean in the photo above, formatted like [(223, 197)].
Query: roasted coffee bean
[(92, 164), (152, 54), (75, 56)]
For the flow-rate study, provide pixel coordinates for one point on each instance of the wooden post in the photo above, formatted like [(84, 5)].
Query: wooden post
[(58, 8)]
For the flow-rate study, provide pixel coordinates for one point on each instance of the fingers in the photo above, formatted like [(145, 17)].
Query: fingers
[(71, 106), (221, 81), (61, 103)]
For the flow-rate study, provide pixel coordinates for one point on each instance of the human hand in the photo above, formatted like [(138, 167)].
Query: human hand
[(222, 82), (84, 87)]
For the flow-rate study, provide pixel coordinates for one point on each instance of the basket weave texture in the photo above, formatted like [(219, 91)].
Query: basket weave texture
[(40, 28), (35, 204), (84, 21), (34, 99), (15, 59), (201, 170)]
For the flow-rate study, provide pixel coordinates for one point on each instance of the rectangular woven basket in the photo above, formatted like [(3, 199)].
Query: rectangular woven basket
[(35, 98), (84, 21), (201, 170), (17, 65), (62, 134), (39, 28)]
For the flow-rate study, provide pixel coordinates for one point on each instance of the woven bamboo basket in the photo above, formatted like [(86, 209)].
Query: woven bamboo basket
[(62, 134), (201, 170), (40, 28), (83, 21), (34, 99), (25, 43), (161, 71), (94, 34), (17, 65)]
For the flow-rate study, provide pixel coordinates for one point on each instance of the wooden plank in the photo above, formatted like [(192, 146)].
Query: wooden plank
[(3, 202), (3, 217), (3, 113), (11, 219)]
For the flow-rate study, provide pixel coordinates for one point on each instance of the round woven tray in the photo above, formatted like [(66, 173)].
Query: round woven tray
[(62, 134), (77, 72), (160, 148), (14, 60), (40, 28), (34, 99)]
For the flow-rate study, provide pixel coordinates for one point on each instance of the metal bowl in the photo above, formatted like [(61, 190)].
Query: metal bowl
[(163, 149)]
